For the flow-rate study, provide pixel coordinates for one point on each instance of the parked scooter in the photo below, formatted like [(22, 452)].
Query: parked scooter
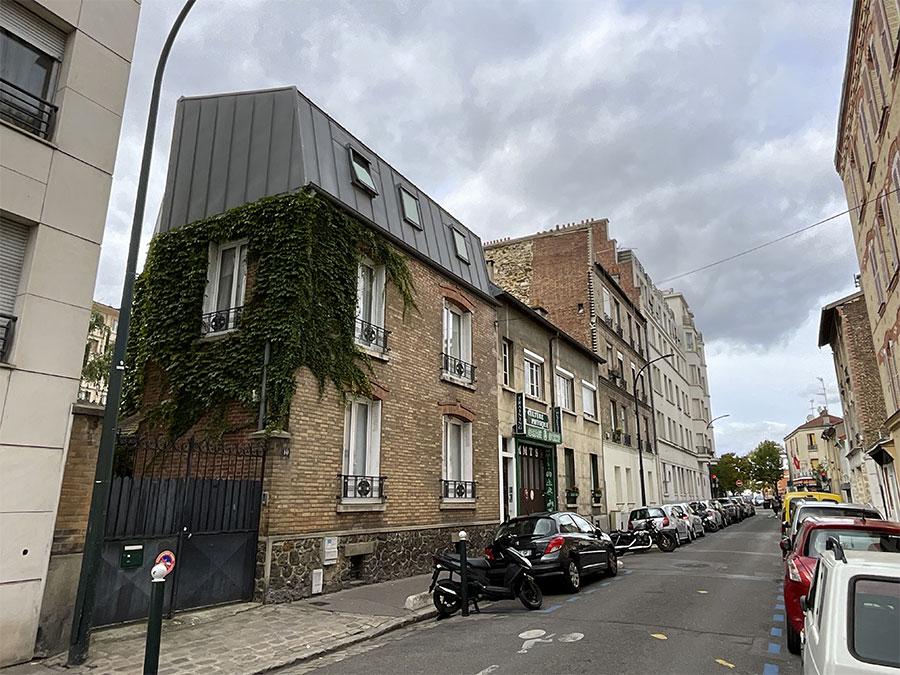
[(627, 541), (709, 524), (504, 578)]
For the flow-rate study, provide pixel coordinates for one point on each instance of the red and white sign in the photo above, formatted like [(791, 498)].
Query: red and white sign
[(738, 483), (796, 462), (166, 558)]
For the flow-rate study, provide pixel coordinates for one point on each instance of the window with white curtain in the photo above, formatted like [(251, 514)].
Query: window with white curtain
[(362, 449), (369, 332), (226, 285), (457, 453)]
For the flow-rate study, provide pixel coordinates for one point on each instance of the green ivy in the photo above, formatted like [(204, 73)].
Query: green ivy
[(303, 254)]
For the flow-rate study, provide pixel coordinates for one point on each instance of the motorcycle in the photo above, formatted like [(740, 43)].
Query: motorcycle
[(505, 577), (709, 524), (641, 540)]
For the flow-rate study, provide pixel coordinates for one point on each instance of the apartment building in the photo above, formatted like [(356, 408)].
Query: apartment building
[(63, 76), (867, 158), (551, 439), (558, 271), (370, 308), (814, 452), (845, 327), (98, 350), (681, 398)]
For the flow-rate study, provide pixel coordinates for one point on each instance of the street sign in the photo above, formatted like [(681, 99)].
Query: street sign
[(166, 558), (535, 424), (739, 483)]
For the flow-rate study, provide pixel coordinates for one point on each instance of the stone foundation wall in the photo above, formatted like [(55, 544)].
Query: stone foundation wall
[(288, 574)]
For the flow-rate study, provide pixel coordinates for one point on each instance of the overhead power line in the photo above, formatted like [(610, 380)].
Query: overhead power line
[(773, 241)]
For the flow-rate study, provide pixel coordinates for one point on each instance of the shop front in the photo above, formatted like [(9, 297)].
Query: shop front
[(536, 436)]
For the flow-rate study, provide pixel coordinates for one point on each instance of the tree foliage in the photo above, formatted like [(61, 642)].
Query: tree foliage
[(95, 367), (765, 461), (732, 468), (303, 256)]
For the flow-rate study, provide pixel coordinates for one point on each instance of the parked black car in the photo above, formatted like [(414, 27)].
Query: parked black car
[(561, 545)]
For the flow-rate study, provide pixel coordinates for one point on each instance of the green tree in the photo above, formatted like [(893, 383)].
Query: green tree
[(732, 468), (765, 463), (95, 367)]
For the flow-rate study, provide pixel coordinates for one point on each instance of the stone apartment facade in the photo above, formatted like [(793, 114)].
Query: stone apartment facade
[(63, 80), (364, 490), (844, 326), (99, 339), (681, 400), (547, 382), (559, 271), (867, 158), (814, 451)]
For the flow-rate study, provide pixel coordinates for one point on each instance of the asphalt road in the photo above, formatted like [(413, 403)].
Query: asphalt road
[(712, 606)]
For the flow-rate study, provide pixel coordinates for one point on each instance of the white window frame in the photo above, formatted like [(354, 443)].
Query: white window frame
[(507, 361), (565, 389), (463, 472), (239, 283), (589, 393), (462, 348), (459, 243), (378, 300), (534, 374), (373, 442)]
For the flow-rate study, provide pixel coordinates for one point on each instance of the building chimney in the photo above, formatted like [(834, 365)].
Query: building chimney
[(490, 268), (540, 310)]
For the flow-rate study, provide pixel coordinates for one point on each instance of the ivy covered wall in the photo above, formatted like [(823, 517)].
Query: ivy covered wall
[(303, 255)]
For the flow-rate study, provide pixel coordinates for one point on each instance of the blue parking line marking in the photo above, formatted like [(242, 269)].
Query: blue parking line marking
[(549, 609), (590, 590), (573, 598), (628, 571), (616, 579), (774, 648), (779, 606), (778, 617), (606, 583), (770, 669), (775, 632)]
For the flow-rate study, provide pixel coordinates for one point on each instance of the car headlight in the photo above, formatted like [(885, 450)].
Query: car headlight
[(793, 572)]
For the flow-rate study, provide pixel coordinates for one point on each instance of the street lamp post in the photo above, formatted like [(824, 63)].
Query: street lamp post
[(90, 564), (709, 424), (637, 422)]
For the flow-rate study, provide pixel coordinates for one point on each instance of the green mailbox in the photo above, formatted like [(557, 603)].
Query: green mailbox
[(132, 556)]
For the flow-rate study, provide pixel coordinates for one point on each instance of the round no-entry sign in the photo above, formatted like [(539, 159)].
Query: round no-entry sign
[(738, 483), (166, 558)]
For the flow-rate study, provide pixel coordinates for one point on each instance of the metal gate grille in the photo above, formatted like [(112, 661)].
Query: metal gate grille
[(200, 498)]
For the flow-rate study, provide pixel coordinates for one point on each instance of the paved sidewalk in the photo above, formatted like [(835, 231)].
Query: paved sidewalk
[(252, 638)]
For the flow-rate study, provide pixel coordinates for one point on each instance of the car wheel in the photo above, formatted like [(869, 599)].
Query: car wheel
[(613, 568), (793, 639), (573, 576)]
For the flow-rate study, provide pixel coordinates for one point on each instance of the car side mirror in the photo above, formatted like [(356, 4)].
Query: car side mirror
[(804, 606)]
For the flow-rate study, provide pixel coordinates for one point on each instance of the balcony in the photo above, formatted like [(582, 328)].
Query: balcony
[(25, 110), (571, 495), (7, 330), (627, 440), (623, 383), (608, 319), (221, 321), (648, 446), (458, 369), (457, 489), (372, 337), (596, 497), (361, 487), (644, 396), (617, 436), (620, 331)]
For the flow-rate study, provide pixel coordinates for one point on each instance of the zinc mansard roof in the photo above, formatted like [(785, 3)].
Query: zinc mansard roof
[(235, 148)]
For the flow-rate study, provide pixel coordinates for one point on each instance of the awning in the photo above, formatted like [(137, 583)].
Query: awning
[(879, 453)]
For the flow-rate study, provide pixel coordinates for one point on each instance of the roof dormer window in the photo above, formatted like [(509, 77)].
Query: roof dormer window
[(459, 239), (361, 173), (409, 207)]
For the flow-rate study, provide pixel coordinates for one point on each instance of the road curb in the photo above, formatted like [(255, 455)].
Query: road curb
[(397, 623)]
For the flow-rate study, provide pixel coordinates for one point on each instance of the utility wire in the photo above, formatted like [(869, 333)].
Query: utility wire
[(774, 241)]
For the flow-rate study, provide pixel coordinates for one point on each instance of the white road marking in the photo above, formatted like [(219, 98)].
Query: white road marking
[(571, 637), (489, 669), (531, 634)]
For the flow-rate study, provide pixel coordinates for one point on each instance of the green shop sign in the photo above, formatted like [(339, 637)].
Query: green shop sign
[(536, 425)]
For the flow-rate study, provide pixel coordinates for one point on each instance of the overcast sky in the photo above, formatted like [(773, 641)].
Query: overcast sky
[(698, 128)]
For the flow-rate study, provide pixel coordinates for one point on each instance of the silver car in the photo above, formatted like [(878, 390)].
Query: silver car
[(683, 529), (711, 509), (825, 510), (663, 520), (695, 522)]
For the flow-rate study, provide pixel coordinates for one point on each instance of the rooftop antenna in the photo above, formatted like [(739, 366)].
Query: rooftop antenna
[(824, 393), (812, 407)]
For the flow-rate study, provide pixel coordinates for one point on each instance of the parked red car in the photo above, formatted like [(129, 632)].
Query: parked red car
[(800, 563)]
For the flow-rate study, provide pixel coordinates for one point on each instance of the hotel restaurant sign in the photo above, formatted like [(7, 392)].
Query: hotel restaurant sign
[(537, 425)]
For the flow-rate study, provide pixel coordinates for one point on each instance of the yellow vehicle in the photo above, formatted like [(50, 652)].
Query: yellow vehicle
[(791, 499)]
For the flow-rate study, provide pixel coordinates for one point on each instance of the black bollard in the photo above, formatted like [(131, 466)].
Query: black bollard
[(154, 622), (463, 573)]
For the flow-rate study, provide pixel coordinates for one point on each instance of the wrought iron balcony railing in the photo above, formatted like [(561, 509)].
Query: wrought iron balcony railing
[(596, 496), (370, 336), (627, 440), (7, 329), (619, 330), (457, 489), (361, 487), (617, 436), (458, 368), (623, 383), (26, 110), (648, 446), (571, 496), (608, 319), (221, 321)]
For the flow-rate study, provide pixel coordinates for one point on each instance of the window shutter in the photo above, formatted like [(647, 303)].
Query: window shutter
[(373, 456), (13, 239), (467, 451), (33, 29)]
